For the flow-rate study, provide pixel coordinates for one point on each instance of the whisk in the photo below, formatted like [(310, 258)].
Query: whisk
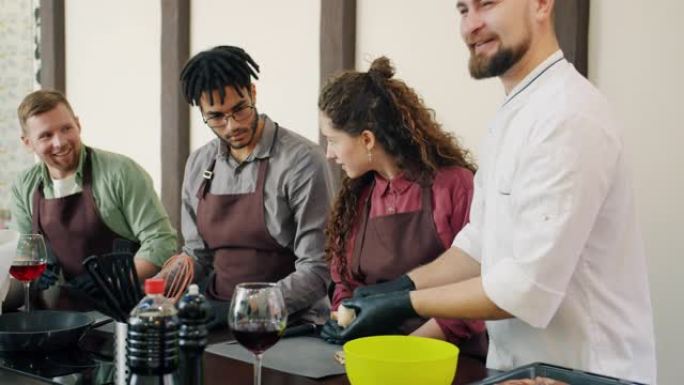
[(178, 272)]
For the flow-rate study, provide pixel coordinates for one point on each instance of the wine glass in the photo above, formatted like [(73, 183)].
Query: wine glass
[(257, 317), (29, 262)]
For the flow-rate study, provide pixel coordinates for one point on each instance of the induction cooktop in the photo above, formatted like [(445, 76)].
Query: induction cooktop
[(89, 363)]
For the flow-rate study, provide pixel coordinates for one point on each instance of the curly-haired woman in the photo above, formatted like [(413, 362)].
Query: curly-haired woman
[(406, 192)]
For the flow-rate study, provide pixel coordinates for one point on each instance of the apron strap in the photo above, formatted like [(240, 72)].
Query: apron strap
[(426, 200), (263, 167), (207, 177), (35, 218), (361, 236), (426, 211), (87, 170)]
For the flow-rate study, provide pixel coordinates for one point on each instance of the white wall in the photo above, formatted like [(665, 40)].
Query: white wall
[(636, 59), (282, 37), (423, 41), (113, 76)]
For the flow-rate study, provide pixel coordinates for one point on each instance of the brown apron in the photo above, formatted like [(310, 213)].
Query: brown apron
[(233, 226), (392, 245), (72, 226)]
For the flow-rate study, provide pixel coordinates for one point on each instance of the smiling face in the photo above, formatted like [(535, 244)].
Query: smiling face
[(55, 137), (350, 152), (498, 34)]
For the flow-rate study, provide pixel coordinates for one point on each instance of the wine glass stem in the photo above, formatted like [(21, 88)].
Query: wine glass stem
[(27, 290), (257, 369)]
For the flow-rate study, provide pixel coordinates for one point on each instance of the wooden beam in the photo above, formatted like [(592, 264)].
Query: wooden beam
[(338, 36), (52, 52), (175, 112), (337, 47), (572, 28)]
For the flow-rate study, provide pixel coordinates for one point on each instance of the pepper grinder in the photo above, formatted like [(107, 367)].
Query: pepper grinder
[(193, 313)]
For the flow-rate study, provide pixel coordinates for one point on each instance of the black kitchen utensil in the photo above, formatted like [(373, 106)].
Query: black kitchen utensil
[(44, 330), (116, 276)]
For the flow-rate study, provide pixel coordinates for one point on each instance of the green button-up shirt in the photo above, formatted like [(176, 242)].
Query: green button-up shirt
[(124, 196)]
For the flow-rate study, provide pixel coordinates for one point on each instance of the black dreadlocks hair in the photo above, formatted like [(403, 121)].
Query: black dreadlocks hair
[(215, 69)]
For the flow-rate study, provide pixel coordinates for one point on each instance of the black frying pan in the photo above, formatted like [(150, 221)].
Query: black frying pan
[(43, 330)]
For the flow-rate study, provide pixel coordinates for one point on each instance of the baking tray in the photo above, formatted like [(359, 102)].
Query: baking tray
[(558, 373)]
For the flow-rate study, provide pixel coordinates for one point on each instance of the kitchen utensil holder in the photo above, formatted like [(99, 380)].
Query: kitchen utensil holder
[(120, 332)]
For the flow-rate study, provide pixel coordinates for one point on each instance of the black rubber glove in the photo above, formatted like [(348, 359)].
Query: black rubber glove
[(51, 273), (49, 276), (331, 332), (403, 283), (84, 283), (375, 315)]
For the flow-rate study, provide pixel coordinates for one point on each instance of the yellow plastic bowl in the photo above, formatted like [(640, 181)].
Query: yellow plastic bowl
[(400, 360)]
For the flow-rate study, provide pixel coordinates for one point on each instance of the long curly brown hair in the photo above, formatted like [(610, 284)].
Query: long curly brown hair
[(404, 127)]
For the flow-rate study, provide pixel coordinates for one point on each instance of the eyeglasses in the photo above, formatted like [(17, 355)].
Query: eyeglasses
[(220, 120)]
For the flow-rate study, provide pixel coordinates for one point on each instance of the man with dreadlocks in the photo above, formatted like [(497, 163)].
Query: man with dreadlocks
[(255, 198)]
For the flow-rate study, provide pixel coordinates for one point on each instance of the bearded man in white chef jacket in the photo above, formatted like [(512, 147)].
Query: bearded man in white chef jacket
[(552, 256)]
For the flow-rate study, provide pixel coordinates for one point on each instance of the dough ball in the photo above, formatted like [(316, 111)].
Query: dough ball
[(345, 316)]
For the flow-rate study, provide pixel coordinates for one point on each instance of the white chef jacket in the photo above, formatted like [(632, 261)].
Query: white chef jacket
[(553, 225)]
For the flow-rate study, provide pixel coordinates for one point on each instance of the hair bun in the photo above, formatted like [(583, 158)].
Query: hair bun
[(382, 67)]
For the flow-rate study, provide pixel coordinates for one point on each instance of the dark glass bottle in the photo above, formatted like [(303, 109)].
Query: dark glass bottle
[(152, 343), (193, 313)]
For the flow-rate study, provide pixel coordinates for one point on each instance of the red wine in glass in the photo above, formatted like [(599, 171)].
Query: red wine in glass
[(29, 262), (27, 270), (257, 317), (257, 338)]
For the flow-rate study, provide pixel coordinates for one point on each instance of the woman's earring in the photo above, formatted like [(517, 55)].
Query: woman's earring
[(370, 156)]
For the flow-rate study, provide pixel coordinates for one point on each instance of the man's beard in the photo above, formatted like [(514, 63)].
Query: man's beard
[(252, 131), (482, 67)]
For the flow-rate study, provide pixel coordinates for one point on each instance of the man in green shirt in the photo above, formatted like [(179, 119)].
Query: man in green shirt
[(84, 200)]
